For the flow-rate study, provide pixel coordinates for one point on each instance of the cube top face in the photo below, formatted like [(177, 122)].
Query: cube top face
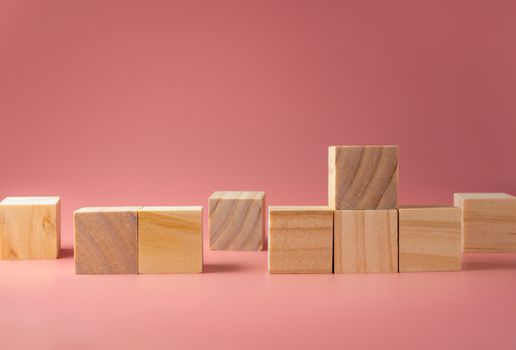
[(483, 195), (30, 228), (106, 242), (300, 241), (430, 239), (172, 209), (30, 201), (300, 208), (170, 240), (488, 222), (237, 220), (107, 210), (366, 241), (363, 177), (258, 195)]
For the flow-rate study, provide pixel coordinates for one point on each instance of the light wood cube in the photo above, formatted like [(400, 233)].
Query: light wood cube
[(237, 220), (106, 240), (429, 239), (300, 239), (170, 240), (365, 241), (30, 228), (488, 222), (363, 177)]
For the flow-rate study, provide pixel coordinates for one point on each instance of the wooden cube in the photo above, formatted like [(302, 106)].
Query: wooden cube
[(365, 241), (30, 228), (363, 177), (300, 240), (170, 240), (237, 220), (429, 239), (106, 240), (488, 222)]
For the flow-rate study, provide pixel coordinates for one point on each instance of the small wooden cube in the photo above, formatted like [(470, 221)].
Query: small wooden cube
[(488, 222), (300, 239), (363, 177), (170, 240), (30, 228), (429, 239), (365, 241), (237, 220), (106, 240)]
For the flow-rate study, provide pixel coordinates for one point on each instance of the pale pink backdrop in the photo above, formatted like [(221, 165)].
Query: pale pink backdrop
[(163, 102)]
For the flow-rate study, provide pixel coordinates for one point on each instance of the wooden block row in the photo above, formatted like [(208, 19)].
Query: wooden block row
[(30, 228), (237, 220), (304, 239), (130, 240), (488, 222)]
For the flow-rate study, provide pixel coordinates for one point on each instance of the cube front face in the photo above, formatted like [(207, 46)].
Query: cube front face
[(363, 177), (300, 240), (106, 240), (237, 220), (365, 241), (30, 228), (489, 222), (170, 240), (430, 239)]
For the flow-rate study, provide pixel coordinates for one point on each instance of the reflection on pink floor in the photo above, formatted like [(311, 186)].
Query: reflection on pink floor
[(236, 304)]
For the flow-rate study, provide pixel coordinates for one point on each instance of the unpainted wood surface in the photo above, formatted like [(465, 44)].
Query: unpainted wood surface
[(106, 240), (237, 220), (363, 177), (430, 239), (365, 241), (488, 222), (170, 240), (30, 228), (300, 240)]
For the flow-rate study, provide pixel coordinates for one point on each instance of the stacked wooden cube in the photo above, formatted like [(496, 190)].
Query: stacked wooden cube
[(130, 240), (363, 229)]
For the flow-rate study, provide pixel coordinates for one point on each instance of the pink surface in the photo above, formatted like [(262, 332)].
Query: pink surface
[(156, 102)]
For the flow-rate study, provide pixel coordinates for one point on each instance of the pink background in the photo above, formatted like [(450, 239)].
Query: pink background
[(164, 102)]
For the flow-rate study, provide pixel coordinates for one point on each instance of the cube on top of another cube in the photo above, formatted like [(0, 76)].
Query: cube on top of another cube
[(363, 177), (30, 228), (488, 222), (429, 238), (237, 220), (300, 239), (170, 240), (106, 240)]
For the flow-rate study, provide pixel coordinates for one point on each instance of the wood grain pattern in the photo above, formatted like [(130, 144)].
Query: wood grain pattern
[(488, 222), (106, 240), (429, 239), (30, 228), (237, 220), (365, 241), (363, 177), (170, 240), (300, 240)]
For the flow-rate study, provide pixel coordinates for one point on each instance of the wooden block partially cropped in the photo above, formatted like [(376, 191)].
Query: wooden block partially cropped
[(429, 239), (365, 241), (237, 220), (488, 222), (30, 228), (106, 240), (300, 240), (170, 240), (363, 177)]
